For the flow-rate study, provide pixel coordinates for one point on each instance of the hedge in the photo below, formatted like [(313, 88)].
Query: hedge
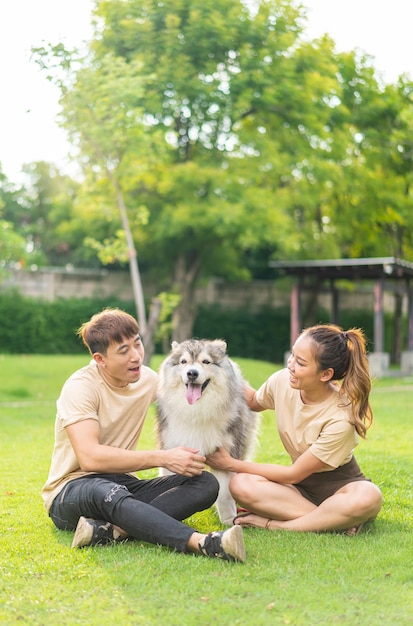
[(266, 335), (31, 326)]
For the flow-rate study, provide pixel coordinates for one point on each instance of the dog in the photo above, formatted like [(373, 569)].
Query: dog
[(201, 405)]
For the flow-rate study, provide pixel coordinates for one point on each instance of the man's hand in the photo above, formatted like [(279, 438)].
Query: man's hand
[(185, 461)]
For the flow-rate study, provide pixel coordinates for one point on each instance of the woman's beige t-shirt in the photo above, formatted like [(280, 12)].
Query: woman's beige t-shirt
[(323, 428), (120, 412)]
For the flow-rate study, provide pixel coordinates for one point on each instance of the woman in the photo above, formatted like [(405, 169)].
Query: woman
[(319, 421)]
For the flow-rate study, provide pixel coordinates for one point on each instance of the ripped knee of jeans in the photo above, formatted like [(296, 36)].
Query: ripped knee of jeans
[(113, 491)]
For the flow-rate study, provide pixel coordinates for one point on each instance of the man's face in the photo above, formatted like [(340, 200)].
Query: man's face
[(122, 362)]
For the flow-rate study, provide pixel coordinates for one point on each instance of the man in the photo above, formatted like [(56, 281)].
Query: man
[(91, 487)]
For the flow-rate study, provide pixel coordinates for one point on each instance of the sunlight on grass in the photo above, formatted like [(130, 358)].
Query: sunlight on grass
[(289, 578)]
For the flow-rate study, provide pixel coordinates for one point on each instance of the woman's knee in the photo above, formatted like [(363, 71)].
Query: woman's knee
[(375, 500), (366, 499), (240, 485)]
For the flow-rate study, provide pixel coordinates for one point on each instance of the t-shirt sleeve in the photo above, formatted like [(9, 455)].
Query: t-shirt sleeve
[(78, 401), (335, 443), (266, 393)]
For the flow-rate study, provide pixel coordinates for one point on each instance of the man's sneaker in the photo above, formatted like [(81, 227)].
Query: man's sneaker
[(90, 532), (227, 545)]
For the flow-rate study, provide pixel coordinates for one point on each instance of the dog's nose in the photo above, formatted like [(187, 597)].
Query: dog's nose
[(192, 375)]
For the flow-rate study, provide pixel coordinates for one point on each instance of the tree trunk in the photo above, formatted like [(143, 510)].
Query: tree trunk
[(183, 319), (184, 315), (146, 331), (133, 262), (151, 328)]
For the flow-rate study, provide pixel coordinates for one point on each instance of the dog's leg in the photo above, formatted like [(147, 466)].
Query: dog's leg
[(225, 503)]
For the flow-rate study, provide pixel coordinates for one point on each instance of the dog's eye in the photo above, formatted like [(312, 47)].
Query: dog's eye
[(206, 362), (183, 361)]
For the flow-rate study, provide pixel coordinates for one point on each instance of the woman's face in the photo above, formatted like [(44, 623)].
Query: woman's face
[(303, 368)]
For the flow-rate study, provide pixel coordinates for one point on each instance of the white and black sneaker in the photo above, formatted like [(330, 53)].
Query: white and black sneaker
[(91, 532), (227, 545)]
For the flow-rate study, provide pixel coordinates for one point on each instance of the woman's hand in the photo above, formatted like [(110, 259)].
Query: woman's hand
[(305, 465), (220, 459)]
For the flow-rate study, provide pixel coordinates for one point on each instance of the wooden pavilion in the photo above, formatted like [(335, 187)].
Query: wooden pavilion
[(386, 273)]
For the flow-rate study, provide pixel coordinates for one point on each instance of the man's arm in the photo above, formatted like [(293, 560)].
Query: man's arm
[(96, 457)]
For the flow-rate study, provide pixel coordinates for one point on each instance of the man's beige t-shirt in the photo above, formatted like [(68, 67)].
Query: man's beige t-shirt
[(323, 428), (120, 413)]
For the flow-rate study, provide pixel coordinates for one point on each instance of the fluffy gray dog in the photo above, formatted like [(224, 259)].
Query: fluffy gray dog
[(201, 405)]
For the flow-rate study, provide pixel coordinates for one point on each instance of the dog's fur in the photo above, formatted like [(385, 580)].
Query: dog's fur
[(201, 405)]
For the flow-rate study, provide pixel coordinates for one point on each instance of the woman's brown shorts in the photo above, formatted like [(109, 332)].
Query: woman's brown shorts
[(320, 486)]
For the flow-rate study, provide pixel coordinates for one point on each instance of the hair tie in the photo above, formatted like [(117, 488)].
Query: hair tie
[(345, 335)]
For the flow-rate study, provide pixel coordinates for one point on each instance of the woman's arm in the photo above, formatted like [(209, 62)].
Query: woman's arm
[(251, 399), (304, 466)]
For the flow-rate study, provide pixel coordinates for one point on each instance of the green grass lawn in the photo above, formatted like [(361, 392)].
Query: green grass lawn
[(289, 578)]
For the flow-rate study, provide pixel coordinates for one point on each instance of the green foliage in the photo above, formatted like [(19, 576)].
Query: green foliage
[(169, 301), (12, 245), (231, 135), (38, 209), (175, 105), (228, 139), (258, 335), (213, 138), (110, 250), (32, 326), (288, 578)]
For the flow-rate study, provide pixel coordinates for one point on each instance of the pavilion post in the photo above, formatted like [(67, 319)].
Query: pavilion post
[(410, 318), (407, 357), (295, 313), (334, 304), (378, 317), (295, 317), (379, 361)]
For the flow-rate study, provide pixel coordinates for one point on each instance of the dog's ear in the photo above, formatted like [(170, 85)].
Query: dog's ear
[(221, 345), (174, 345)]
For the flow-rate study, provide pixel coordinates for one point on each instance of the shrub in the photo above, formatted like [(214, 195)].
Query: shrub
[(34, 326)]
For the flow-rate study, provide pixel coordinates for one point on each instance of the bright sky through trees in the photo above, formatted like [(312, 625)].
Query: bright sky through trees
[(29, 107)]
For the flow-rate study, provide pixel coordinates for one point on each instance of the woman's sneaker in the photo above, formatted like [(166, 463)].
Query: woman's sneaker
[(227, 545), (90, 532)]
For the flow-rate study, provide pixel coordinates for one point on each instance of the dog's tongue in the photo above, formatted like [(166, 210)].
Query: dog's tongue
[(193, 393)]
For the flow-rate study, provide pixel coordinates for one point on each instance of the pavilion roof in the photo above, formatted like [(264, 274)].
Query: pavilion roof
[(353, 269)]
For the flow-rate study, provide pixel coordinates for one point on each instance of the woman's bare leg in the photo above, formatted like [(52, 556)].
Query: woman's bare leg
[(287, 509), (269, 499)]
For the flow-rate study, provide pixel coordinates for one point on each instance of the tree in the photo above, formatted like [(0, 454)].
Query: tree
[(224, 138), (232, 94), (37, 208), (386, 138), (12, 244), (49, 200), (101, 113)]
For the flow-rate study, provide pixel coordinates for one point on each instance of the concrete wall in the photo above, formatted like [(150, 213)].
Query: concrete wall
[(51, 283)]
